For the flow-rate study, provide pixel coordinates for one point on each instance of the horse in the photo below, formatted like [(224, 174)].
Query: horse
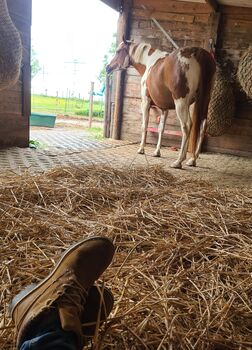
[(173, 80)]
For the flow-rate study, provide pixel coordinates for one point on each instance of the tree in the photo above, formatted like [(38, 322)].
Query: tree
[(35, 67), (111, 52)]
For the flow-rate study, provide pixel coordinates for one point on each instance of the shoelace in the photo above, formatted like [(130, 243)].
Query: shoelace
[(74, 294)]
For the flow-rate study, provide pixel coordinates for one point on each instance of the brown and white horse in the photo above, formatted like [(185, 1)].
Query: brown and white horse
[(169, 81)]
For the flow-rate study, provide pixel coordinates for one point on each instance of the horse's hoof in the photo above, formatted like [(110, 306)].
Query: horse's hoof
[(156, 154), (140, 151), (176, 165), (191, 162)]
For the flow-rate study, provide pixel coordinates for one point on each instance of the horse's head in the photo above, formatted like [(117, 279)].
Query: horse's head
[(121, 60)]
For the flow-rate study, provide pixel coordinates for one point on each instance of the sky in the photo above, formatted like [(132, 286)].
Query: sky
[(68, 31)]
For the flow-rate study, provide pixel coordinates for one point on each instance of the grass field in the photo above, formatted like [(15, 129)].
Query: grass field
[(65, 106)]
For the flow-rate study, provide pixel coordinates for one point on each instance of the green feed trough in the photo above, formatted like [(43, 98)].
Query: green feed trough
[(46, 120)]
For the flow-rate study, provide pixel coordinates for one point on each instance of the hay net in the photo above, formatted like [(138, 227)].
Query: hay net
[(222, 104), (244, 72), (10, 49)]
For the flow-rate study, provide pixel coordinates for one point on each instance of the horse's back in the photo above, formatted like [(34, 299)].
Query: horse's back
[(185, 69), (178, 75), (201, 56)]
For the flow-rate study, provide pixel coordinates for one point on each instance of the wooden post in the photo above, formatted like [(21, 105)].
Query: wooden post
[(213, 4), (26, 91), (123, 30), (91, 105), (120, 79), (107, 109), (56, 102)]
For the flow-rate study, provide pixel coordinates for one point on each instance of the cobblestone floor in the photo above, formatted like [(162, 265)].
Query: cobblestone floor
[(70, 147), (57, 147), (63, 140)]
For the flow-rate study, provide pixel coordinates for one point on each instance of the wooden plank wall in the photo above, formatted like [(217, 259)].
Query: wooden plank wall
[(189, 24), (15, 102), (234, 38)]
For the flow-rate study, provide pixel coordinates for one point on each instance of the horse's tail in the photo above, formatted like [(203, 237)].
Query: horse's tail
[(207, 74)]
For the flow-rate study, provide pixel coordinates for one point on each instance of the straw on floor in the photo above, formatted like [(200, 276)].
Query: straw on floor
[(181, 276)]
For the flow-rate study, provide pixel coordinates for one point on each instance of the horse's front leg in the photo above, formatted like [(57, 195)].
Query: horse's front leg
[(161, 128), (182, 110), (145, 105)]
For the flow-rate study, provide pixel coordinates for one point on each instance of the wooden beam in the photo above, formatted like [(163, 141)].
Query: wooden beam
[(26, 90), (91, 101), (123, 31), (107, 110), (211, 41), (114, 4), (213, 4)]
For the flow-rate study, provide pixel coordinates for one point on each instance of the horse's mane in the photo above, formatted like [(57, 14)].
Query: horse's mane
[(137, 51)]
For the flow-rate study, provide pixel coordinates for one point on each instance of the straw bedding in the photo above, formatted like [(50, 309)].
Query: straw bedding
[(181, 275)]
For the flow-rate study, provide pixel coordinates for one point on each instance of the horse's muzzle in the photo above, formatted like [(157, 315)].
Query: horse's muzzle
[(108, 69)]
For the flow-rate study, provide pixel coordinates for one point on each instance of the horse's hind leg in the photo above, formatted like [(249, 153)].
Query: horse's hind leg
[(145, 120), (182, 110), (192, 160), (161, 128)]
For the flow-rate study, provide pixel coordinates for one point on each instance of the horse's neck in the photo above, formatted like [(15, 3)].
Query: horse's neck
[(139, 67), (138, 53), (145, 57)]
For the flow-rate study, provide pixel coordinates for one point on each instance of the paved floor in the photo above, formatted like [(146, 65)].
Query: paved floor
[(57, 147), (63, 147), (62, 140)]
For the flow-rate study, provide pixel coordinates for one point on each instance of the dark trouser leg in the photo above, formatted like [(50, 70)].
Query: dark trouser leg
[(47, 334)]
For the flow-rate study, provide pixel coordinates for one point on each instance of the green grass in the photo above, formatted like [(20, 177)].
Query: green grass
[(64, 106), (96, 133), (36, 144)]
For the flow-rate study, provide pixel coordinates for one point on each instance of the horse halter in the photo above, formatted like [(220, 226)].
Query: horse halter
[(126, 62), (121, 60)]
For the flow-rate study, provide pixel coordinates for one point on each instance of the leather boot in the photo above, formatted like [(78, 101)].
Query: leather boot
[(99, 304), (66, 288)]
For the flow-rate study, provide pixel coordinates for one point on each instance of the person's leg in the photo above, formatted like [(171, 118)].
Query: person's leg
[(47, 334), (51, 341), (56, 308)]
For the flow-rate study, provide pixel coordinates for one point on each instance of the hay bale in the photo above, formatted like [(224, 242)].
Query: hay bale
[(181, 275), (244, 72), (222, 105)]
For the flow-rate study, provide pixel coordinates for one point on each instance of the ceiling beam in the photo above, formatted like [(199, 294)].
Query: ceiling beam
[(213, 4), (114, 4)]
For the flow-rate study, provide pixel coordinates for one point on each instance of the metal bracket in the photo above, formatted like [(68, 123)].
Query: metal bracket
[(162, 29)]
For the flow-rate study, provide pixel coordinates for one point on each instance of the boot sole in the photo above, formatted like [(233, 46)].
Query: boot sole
[(65, 254)]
